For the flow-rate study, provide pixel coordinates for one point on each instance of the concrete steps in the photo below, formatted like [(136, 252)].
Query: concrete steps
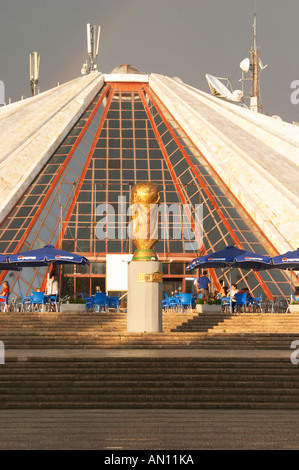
[(89, 361), (150, 341), (236, 323), (148, 382), (260, 323), (89, 330), (172, 321)]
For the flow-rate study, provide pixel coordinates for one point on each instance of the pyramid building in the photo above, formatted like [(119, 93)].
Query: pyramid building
[(71, 156)]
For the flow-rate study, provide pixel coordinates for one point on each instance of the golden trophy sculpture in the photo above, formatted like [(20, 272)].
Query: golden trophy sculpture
[(145, 200), (144, 308)]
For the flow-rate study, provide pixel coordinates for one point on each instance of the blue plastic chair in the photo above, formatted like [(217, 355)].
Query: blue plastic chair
[(52, 300), (186, 300), (89, 302), (225, 302), (256, 301), (170, 302), (38, 299), (241, 300), (174, 303), (4, 301), (26, 302), (295, 299), (101, 301), (164, 303), (194, 298), (113, 302)]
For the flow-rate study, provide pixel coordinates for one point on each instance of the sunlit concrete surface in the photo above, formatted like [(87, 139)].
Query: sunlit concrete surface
[(32, 129), (117, 430), (138, 429), (146, 353)]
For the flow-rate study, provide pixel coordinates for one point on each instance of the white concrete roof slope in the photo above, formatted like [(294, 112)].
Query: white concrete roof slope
[(257, 156), (32, 129)]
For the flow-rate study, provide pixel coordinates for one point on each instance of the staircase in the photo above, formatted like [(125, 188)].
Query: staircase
[(149, 382), (89, 361)]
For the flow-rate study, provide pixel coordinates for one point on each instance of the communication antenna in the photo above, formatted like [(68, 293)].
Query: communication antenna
[(34, 62), (244, 66), (255, 95), (255, 65), (261, 65), (93, 44), (221, 91)]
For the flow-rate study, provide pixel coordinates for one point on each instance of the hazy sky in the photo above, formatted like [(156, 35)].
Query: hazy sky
[(184, 38)]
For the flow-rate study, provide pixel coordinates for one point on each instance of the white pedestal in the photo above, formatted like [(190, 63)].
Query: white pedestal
[(144, 307)]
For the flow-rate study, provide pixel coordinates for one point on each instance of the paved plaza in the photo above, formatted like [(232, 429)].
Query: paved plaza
[(120, 430), (139, 429)]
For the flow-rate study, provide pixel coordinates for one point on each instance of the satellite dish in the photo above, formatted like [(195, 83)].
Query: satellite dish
[(84, 69), (221, 91), (177, 79), (245, 65)]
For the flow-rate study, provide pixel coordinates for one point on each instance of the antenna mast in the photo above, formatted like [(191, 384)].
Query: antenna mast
[(93, 44), (255, 96), (34, 61)]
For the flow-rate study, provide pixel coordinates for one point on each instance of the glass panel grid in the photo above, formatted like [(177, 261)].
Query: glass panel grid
[(215, 235), (126, 152)]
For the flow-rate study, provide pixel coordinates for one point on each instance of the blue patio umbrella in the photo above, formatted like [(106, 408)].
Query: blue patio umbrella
[(249, 260), (46, 256), (220, 259), (232, 257), (288, 260), (7, 266)]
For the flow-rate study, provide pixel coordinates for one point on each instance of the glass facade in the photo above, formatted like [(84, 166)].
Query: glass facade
[(80, 200)]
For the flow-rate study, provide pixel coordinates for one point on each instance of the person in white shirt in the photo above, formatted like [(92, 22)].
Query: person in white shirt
[(52, 285), (234, 290)]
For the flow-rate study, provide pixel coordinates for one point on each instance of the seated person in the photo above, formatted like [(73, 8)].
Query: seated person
[(245, 290), (214, 295), (234, 290), (223, 289), (5, 290), (225, 292)]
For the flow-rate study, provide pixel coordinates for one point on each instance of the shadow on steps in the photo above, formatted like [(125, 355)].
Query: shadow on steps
[(202, 323)]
